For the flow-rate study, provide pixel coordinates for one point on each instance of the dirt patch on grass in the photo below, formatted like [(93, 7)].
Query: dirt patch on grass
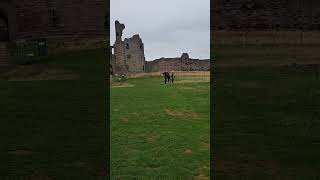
[(124, 119), (185, 150), (182, 113), (121, 85), (196, 80), (201, 177), (38, 72), (205, 145), (188, 88), (20, 152), (195, 89), (173, 96), (246, 167)]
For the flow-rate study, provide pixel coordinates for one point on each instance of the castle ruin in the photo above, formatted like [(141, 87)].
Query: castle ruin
[(128, 53), (42, 27), (128, 57), (183, 63)]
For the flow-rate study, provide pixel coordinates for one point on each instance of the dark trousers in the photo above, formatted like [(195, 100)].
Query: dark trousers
[(166, 79)]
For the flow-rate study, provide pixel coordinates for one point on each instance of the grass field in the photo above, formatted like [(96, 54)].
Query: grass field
[(160, 131), (52, 118), (266, 113), (266, 119)]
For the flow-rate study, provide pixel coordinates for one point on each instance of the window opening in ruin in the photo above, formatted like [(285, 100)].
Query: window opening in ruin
[(141, 46), (4, 31), (128, 56), (143, 68), (54, 19), (127, 46)]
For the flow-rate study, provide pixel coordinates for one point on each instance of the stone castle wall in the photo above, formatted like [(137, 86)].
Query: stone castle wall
[(134, 54), (62, 25), (31, 19), (58, 19), (177, 64), (263, 15), (128, 54)]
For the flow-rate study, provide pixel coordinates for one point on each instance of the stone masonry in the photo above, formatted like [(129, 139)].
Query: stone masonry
[(128, 54), (63, 25), (183, 63), (265, 14)]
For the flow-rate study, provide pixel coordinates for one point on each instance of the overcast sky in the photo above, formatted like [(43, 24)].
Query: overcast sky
[(167, 27)]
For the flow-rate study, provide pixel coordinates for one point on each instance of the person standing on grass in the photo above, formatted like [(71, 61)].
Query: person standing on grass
[(172, 77), (166, 76)]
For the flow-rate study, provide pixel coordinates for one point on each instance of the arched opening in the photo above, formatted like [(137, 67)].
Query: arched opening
[(7, 20), (4, 28)]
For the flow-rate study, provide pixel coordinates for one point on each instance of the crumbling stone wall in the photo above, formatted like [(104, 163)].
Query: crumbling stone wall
[(264, 15), (128, 54), (134, 54), (58, 19), (63, 25), (119, 65), (185, 56), (129, 57), (178, 64)]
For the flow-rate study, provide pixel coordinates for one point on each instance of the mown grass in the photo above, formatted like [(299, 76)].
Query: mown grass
[(56, 129), (266, 116), (160, 131)]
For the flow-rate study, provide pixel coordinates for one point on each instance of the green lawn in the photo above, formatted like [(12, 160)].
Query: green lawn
[(160, 131), (266, 116), (56, 128)]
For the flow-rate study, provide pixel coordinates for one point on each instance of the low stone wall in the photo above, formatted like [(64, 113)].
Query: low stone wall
[(65, 45), (21, 52), (177, 73), (265, 38), (177, 64)]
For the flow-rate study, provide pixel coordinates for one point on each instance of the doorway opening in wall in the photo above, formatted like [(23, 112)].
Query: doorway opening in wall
[(4, 29)]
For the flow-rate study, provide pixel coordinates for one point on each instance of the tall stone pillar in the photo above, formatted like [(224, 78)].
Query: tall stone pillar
[(119, 50)]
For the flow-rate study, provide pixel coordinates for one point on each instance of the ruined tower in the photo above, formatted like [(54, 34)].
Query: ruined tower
[(185, 56), (119, 54), (128, 54)]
